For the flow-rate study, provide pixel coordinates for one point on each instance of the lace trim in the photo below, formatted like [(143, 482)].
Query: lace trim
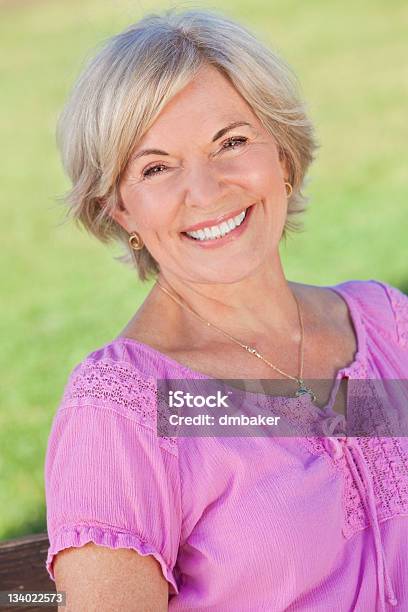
[(119, 385), (388, 465), (386, 457)]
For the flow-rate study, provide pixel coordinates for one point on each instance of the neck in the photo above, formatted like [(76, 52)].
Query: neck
[(260, 305)]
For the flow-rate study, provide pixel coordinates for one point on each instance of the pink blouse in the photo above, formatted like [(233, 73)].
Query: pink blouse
[(244, 523)]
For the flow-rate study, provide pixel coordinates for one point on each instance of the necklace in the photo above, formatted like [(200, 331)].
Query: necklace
[(303, 389)]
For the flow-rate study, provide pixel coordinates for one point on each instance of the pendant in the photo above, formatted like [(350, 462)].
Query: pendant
[(303, 390)]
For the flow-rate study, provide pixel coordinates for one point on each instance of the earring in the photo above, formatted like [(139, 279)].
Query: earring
[(136, 241), (289, 193)]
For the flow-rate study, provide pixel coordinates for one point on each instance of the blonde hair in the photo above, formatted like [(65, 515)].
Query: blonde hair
[(122, 90)]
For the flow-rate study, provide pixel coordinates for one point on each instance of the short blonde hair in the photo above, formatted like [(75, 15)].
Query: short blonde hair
[(122, 90)]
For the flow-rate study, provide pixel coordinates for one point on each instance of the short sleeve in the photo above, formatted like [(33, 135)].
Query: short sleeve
[(109, 478), (398, 303)]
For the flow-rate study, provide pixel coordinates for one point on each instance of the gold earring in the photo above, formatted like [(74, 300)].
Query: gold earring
[(289, 193), (136, 241)]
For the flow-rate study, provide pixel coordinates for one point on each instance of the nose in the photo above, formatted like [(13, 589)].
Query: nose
[(204, 187)]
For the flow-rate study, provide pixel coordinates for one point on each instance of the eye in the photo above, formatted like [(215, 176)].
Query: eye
[(148, 172), (233, 140), (242, 140)]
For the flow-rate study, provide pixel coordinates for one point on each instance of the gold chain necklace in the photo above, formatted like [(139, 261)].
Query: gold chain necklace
[(303, 389)]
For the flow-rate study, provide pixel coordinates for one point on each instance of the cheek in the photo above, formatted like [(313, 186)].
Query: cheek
[(261, 165), (149, 212), (264, 176), (152, 216)]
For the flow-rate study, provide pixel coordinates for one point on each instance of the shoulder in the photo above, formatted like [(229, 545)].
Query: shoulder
[(382, 306), (113, 379)]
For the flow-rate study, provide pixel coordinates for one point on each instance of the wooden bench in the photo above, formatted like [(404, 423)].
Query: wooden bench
[(22, 568)]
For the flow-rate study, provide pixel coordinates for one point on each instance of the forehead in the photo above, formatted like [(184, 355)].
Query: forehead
[(206, 104)]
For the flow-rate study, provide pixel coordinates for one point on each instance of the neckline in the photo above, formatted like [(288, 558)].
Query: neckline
[(345, 372)]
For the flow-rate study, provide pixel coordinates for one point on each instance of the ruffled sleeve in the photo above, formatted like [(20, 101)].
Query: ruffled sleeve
[(109, 478)]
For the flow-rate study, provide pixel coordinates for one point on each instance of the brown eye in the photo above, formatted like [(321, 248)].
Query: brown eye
[(233, 140), (148, 173)]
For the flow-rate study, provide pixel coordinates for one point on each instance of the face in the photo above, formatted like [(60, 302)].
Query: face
[(200, 175)]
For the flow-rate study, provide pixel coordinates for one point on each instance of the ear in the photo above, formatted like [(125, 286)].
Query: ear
[(121, 215)]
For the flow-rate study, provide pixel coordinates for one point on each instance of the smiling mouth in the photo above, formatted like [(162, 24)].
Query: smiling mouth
[(216, 232)]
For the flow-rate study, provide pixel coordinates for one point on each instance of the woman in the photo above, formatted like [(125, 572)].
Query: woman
[(185, 139)]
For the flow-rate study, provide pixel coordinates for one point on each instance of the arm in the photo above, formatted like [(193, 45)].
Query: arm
[(97, 578)]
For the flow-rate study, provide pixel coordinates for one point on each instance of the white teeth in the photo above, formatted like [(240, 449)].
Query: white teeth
[(224, 229), (217, 231)]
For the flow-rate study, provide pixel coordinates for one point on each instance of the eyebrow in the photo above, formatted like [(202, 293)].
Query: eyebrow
[(216, 137)]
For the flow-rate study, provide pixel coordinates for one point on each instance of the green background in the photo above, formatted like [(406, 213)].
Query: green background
[(63, 294)]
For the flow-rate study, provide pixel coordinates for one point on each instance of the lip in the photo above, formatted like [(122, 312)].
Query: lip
[(219, 242), (216, 221)]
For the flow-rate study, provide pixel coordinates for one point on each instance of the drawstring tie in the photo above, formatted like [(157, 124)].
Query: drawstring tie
[(336, 447)]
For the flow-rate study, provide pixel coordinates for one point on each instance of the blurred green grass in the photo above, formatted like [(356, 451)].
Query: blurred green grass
[(64, 295)]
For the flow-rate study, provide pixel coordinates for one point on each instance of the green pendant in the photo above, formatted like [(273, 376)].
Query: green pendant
[(303, 390)]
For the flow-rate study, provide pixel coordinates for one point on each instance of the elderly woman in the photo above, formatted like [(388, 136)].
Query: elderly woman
[(185, 139)]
